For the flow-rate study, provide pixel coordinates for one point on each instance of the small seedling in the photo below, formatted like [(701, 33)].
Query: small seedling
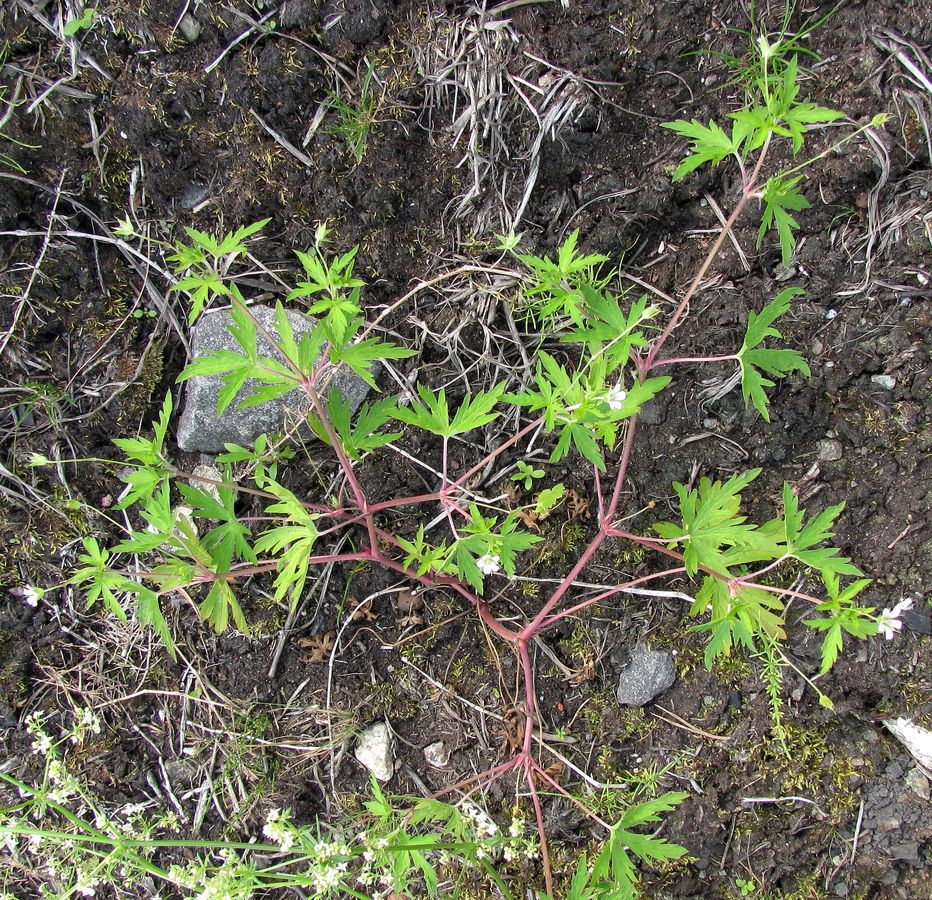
[(353, 123), (80, 23), (526, 474)]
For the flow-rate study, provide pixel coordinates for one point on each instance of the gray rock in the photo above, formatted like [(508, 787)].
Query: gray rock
[(200, 428), (918, 783), (829, 450), (647, 675), (190, 28), (193, 195), (437, 754), (887, 382), (374, 751), (908, 853)]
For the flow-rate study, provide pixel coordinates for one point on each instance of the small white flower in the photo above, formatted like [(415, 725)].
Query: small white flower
[(85, 883), (42, 744), (890, 623), (489, 563), (32, 595), (277, 828), (615, 398)]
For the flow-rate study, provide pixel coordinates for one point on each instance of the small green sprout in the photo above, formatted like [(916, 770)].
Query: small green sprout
[(526, 474), (85, 20)]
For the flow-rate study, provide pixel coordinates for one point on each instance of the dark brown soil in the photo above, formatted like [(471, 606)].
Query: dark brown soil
[(143, 127)]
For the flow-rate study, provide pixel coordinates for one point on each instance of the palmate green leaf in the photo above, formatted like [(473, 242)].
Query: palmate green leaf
[(231, 535), (272, 378), (217, 606), (97, 578), (751, 127), (781, 197), (142, 483), (481, 536), (200, 287), (755, 359), (149, 614), (802, 539), (100, 582), (711, 524), (578, 405), (580, 437), (363, 435), (567, 263), (548, 498), (424, 557), (709, 144), (613, 874), (841, 615), (433, 413), (608, 329), (301, 355), (802, 114), (795, 116), (362, 355), (737, 616), (293, 543), (150, 452), (234, 242)]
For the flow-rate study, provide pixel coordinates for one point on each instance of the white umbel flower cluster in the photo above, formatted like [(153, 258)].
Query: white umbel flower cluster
[(278, 829)]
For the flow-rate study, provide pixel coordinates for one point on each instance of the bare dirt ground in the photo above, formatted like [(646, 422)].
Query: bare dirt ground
[(202, 114)]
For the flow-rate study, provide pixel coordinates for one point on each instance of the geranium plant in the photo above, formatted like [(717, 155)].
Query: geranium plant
[(587, 398)]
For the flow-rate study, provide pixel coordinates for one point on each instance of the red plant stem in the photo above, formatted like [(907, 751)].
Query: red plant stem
[(747, 192), (404, 501), (622, 470), (491, 774), (242, 571), (541, 828), (530, 630), (695, 359), (582, 806), (530, 698), (621, 588), (345, 463)]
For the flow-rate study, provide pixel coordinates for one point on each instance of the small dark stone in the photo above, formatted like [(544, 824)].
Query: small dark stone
[(193, 195), (647, 675), (908, 852)]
